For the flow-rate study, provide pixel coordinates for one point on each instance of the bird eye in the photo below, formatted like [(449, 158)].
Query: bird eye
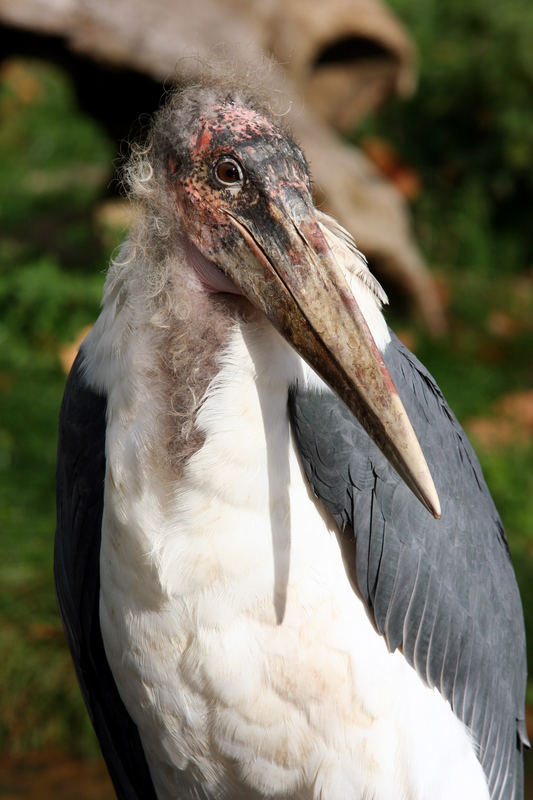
[(228, 172)]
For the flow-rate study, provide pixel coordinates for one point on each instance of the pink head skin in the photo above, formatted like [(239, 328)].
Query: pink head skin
[(239, 161)]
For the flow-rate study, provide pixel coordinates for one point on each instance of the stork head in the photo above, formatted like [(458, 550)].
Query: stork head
[(241, 194), (237, 165)]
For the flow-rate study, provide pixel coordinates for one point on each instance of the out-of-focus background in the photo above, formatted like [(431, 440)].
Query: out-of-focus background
[(418, 121)]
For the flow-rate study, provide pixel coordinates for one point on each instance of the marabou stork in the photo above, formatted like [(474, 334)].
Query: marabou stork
[(257, 600)]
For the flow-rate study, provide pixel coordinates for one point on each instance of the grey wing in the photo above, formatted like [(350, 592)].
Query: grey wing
[(443, 591), (80, 498)]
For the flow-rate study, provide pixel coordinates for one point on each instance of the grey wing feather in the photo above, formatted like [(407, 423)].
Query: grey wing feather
[(444, 590), (80, 497)]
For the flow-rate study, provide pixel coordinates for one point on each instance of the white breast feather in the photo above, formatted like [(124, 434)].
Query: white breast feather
[(236, 641)]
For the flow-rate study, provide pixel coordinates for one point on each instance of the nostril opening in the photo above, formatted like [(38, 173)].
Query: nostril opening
[(350, 50)]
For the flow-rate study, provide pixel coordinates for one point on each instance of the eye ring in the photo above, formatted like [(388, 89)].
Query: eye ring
[(228, 173)]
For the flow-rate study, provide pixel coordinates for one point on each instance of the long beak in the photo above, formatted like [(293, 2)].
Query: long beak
[(284, 266)]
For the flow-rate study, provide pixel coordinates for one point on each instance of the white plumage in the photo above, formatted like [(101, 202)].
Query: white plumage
[(236, 640)]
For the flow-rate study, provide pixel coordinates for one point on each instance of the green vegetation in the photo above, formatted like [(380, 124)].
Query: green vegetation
[(55, 165), (468, 133)]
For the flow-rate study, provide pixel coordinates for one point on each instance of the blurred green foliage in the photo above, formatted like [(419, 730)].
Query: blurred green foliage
[(54, 159), (468, 131), (468, 134), (55, 164)]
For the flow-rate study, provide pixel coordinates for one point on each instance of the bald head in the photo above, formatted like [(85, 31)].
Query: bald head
[(217, 153)]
